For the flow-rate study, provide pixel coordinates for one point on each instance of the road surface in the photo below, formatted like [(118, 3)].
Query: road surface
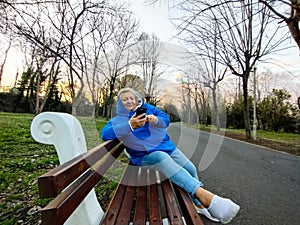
[(264, 182)]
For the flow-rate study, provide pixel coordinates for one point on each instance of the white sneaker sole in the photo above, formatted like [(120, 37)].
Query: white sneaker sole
[(205, 212)]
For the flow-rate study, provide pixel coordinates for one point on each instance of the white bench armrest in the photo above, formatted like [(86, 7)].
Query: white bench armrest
[(64, 131)]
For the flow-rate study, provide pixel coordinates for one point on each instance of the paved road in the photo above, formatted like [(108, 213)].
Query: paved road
[(265, 183)]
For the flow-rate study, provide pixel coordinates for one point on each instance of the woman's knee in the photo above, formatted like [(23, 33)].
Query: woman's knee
[(158, 156)]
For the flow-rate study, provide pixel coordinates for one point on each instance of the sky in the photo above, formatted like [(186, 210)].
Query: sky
[(154, 19)]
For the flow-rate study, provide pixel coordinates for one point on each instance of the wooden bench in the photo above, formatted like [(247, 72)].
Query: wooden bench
[(142, 196)]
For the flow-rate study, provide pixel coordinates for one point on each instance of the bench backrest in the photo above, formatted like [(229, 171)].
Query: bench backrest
[(64, 131)]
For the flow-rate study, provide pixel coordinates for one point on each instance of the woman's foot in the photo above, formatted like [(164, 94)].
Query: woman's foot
[(223, 209), (205, 212), (204, 196)]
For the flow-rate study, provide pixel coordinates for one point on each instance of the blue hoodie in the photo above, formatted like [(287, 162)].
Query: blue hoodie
[(141, 141)]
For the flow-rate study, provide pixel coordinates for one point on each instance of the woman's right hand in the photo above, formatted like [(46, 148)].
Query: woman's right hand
[(138, 121)]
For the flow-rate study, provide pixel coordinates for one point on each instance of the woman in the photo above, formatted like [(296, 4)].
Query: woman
[(149, 145)]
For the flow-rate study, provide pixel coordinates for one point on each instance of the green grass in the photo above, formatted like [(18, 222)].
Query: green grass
[(279, 136), (23, 160), (281, 141), (290, 138)]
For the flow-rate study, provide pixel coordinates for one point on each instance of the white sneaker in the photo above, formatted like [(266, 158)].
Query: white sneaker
[(223, 209), (205, 212)]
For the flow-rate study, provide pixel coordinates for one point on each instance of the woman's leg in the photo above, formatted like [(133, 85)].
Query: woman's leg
[(180, 170), (217, 208), (204, 196), (163, 162), (183, 161)]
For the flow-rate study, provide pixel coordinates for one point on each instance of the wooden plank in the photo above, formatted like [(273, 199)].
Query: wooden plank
[(173, 209), (155, 216), (126, 206), (60, 208), (53, 182), (140, 212), (113, 208), (188, 209)]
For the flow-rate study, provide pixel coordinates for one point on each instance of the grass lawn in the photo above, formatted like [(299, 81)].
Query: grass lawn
[(23, 160), (291, 138), (281, 141)]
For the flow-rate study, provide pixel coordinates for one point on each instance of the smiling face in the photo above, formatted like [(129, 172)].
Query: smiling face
[(128, 99)]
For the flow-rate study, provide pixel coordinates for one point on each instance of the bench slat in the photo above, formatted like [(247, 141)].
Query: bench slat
[(126, 207), (140, 214), (173, 211), (189, 212), (60, 208), (53, 182), (114, 208), (155, 215), (66, 202)]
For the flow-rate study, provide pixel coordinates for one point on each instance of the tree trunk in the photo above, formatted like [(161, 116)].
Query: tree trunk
[(294, 20), (246, 108), (216, 109)]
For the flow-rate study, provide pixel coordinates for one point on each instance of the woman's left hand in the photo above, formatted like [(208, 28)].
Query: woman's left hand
[(151, 118)]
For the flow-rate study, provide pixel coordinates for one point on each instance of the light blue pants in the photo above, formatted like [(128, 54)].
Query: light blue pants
[(177, 167)]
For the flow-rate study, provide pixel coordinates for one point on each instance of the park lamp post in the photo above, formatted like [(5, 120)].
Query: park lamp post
[(254, 102)]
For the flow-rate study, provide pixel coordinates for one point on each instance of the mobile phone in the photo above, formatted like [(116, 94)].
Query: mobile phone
[(140, 111)]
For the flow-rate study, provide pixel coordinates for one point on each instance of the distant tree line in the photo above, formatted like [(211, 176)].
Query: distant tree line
[(274, 113)]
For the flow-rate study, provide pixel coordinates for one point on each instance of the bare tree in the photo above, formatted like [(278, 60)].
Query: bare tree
[(292, 19), (92, 46), (4, 59), (149, 51), (132, 81), (73, 25), (278, 9), (208, 72), (186, 100), (115, 53), (195, 105), (243, 34), (38, 79), (45, 80), (58, 29)]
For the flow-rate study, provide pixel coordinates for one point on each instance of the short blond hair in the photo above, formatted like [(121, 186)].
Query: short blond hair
[(125, 90)]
